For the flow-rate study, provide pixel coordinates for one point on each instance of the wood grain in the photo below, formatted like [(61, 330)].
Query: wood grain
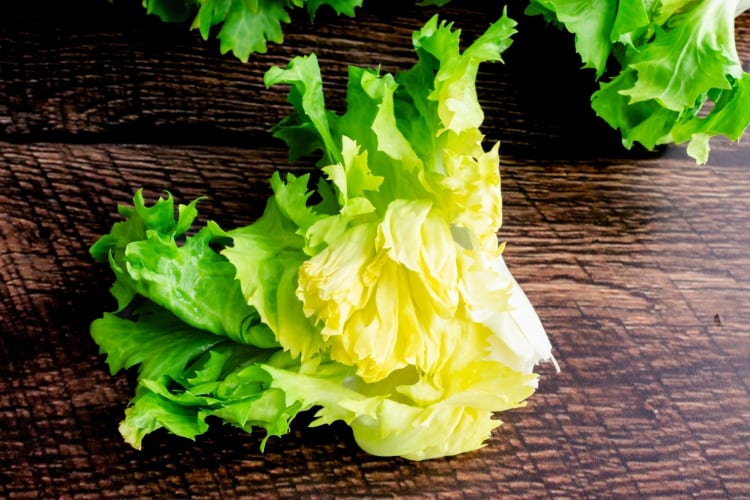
[(637, 264)]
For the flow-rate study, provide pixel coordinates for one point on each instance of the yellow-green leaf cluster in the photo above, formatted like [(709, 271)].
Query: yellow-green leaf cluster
[(376, 295)]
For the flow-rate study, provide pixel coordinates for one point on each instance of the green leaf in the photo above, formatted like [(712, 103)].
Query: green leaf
[(159, 217), (245, 26), (186, 375), (647, 122), (292, 198), (192, 280), (369, 119), (153, 338), (454, 83), (345, 7), (687, 58), (211, 13), (729, 116), (307, 129), (631, 23), (591, 21), (249, 24), (669, 61), (173, 11), (140, 219), (267, 255), (196, 284), (149, 412)]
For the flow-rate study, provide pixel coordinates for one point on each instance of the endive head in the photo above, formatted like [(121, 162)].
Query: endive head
[(404, 265), (403, 277)]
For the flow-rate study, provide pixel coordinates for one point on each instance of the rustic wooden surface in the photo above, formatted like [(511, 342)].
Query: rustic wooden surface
[(638, 264)]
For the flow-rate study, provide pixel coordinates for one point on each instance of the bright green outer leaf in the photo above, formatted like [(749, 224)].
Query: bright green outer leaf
[(591, 21), (307, 129), (664, 9), (159, 217), (191, 280), (729, 116), (647, 123), (455, 89), (140, 219), (211, 13), (353, 180), (241, 396), (537, 9), (245, 25), (670, 60), (249, 24), (382, 152), (631, 23), (267, 256), (291, 198), (691, 55), (370, 120), (345, 7), (451, 103), (196, 284), (171, 11), (186, 375), (158, 341), (163, 346), (416, 113)]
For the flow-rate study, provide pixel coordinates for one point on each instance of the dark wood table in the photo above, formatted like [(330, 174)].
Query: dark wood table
[(638, 263)]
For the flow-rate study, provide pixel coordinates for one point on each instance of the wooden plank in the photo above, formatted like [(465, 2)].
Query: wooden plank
[(638, 269)]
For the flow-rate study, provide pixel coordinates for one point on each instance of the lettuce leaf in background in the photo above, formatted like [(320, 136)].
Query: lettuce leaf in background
[(377, 295), (244, 26), (669, 70)]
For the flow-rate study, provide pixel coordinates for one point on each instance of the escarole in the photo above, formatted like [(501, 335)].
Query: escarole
[(669, 70), (374, 293), (242, 27)]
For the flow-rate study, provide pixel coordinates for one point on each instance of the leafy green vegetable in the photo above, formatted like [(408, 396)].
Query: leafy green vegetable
[(192, 280), (244, 26), (669, 70), (186, 375), (382, 301)]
